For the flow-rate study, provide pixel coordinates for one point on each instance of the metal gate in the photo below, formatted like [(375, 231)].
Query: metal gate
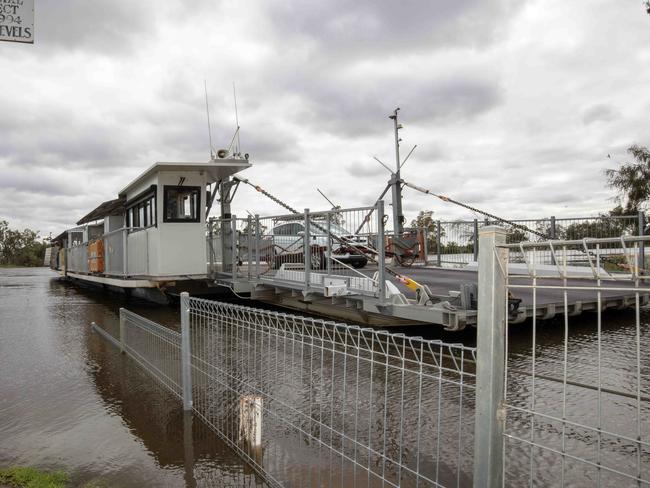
[(598, 433)]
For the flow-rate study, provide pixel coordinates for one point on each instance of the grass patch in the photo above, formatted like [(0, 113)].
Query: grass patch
[(26, 477)]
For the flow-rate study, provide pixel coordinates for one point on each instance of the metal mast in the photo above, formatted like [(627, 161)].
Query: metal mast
[(396, 181)]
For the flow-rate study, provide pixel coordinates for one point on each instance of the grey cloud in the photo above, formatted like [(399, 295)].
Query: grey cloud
[(362, 170), (358, 111), (107, 26), (600, 113), (42, 183), (358, 27)]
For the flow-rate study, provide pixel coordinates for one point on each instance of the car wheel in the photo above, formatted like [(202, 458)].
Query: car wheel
[(361, 263)]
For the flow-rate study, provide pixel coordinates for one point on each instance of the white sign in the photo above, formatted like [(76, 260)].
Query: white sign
[(17, 20)]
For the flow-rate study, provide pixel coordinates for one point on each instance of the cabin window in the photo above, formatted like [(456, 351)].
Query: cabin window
[(182, 203), (141, 211)]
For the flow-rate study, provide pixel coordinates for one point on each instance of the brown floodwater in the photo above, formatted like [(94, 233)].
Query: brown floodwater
[(69, 400)]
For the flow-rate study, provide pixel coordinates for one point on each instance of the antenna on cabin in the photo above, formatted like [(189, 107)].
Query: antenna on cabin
[(234, 94), (207, 111)]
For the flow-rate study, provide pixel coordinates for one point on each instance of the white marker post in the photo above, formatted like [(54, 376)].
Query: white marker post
[(250, 420), (17, 21)]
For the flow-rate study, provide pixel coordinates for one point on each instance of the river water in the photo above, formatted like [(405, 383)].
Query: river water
[(69, 401)]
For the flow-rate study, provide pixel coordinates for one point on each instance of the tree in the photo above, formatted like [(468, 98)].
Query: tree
[(20, 248), (632, 180), (424, 220), (647, 6)]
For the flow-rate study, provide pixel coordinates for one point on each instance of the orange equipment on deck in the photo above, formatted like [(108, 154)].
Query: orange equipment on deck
[(96, 256)]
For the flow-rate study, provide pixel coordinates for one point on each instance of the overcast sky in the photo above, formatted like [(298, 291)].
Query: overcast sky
[(514, 104)]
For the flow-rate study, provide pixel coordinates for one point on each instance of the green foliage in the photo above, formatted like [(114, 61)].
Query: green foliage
[(424, 220), (20, 248), (632, 180), (26, 477)]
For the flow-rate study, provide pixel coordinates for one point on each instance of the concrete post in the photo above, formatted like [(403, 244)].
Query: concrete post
[(641, 260), (381, 254), (438, 243), (186, 352), (490, 416), (307, 250), (122, 330)]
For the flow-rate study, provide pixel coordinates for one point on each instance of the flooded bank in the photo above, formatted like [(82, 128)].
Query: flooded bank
[(69, 400)]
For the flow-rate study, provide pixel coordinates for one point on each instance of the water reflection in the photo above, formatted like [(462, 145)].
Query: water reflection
[(69, 400)]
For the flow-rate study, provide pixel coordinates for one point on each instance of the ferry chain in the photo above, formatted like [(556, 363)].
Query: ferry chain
[(474, 209)]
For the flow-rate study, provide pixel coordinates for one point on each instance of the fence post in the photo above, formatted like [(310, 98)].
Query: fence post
[(125, 250), (438, 243), (641, 260), (122, 330), (329, 244), (257, 246), (210, 247), (186, 352), (476, 237), (489, 420), (381, 250), (249, 250), (553, 232), (307, 250), (233, 225), (425, 232), (553, 235)]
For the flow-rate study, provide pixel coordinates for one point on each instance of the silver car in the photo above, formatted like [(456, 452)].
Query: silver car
[(288, 244)]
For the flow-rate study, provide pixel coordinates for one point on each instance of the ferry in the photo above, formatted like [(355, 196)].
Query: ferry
[(150, 241)]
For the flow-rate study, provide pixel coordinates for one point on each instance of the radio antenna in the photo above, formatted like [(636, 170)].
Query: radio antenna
[(207, 111), (234, 94)]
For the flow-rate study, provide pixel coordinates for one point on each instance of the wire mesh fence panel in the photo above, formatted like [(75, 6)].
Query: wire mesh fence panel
[(577, 402), (338, 405), (457, 238), (154, 347)]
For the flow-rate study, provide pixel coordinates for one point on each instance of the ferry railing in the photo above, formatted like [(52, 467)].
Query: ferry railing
[(77, 258), (452, 243), (126, 252), (336, 252), (597, 434)]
